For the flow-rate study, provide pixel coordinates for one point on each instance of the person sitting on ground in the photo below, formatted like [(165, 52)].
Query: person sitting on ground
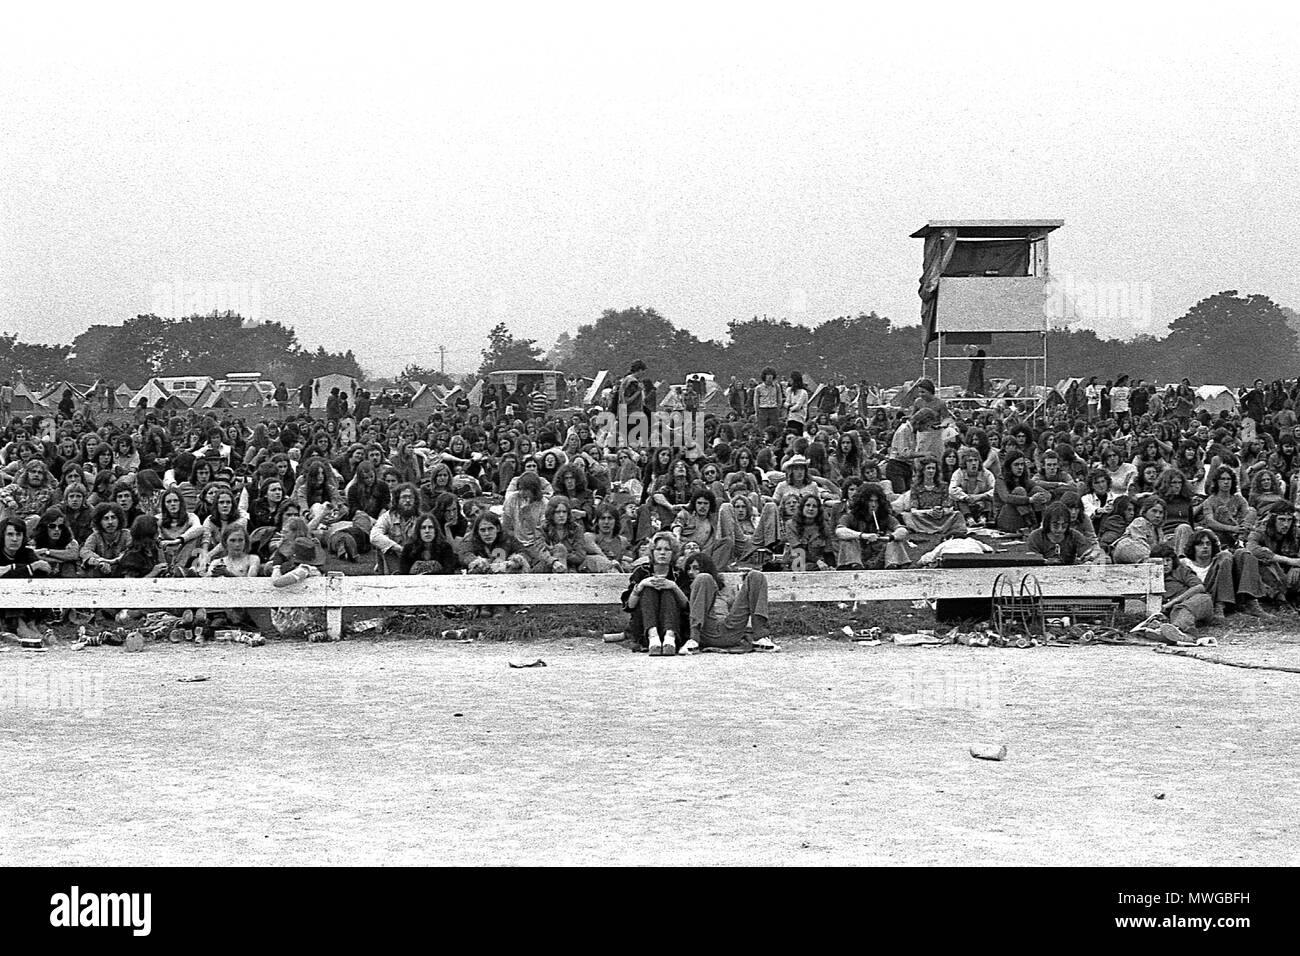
[(523, 515), (927, 507), (869, 536), (1225, 512), (808, 537), (1058, 542), (17, 560), (1275, 543), (427, 551), (723, 615), (1230, 578), (1142, 534), (54, 542), (236, 561), (707, 525), (1186, 604), (295, 561), (656, 599), (395, 528), (972, 487), (104, 548), (1019, 503)]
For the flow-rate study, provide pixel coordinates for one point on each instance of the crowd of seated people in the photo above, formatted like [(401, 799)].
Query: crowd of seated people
[(784, 484)]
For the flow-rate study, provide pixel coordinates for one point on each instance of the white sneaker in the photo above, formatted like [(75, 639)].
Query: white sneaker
[(764, 644), (690, 647)]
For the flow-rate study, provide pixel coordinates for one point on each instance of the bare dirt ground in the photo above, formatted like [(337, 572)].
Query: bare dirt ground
[(395, 751)]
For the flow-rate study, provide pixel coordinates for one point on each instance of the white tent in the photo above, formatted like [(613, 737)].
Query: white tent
[(1215, 399)]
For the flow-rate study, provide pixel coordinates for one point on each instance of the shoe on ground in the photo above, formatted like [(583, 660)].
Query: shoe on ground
[(670, 647), (763, 644), (690, 647), (187, 619), (1252, 607), (656, 647), (200, 617)]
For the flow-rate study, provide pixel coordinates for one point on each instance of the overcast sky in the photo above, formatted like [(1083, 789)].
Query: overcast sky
[(406, 180)]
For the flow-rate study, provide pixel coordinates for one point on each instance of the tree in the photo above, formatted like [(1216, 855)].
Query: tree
[(38, 364), (504, 351), (1231, 339), (561, 353), (418, 375), (618, 338)]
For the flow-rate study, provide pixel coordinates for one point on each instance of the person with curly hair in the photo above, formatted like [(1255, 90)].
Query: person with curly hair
[(869, 536)]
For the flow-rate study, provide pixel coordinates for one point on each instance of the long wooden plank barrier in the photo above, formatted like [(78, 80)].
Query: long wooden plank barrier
[(337, 591)]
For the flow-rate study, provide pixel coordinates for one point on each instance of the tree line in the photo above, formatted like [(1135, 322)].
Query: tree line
[(1227, 338)]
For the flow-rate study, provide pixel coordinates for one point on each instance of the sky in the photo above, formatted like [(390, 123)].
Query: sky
[(408, 178)]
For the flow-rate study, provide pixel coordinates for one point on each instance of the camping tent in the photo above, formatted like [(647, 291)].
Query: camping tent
[(427, 398), (153, 390), (213, 397), (320, 393), (25, 400), (53, 394), (1215, 399)]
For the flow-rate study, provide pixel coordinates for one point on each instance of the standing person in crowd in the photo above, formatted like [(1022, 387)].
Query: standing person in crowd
[(769, 402)]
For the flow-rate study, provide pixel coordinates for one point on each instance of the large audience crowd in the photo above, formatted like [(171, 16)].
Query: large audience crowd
[(1120, 472)]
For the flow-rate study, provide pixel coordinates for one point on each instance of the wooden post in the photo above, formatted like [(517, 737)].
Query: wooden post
[(1155, 585), (334, 610)]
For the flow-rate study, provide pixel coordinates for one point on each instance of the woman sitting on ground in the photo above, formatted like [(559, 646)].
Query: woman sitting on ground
[(224, 514), (488, 549), (656, 599), (928, 507), (567, 546), (1142, 534), (724, 615), (1079, 523), (608, 537), (1112, 526), (427, 551), (236, 561), (808, 537), (1019, 504)]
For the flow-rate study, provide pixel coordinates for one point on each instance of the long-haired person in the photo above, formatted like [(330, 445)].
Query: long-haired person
[(724, 615), (656, 598)]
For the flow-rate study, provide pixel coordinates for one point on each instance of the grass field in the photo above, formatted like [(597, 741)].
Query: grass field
[(418, 750)]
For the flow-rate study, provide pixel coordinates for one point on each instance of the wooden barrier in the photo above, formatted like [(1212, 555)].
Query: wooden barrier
[(337, 591)]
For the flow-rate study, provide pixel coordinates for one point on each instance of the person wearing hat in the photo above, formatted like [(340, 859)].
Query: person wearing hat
[(298, 558)]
